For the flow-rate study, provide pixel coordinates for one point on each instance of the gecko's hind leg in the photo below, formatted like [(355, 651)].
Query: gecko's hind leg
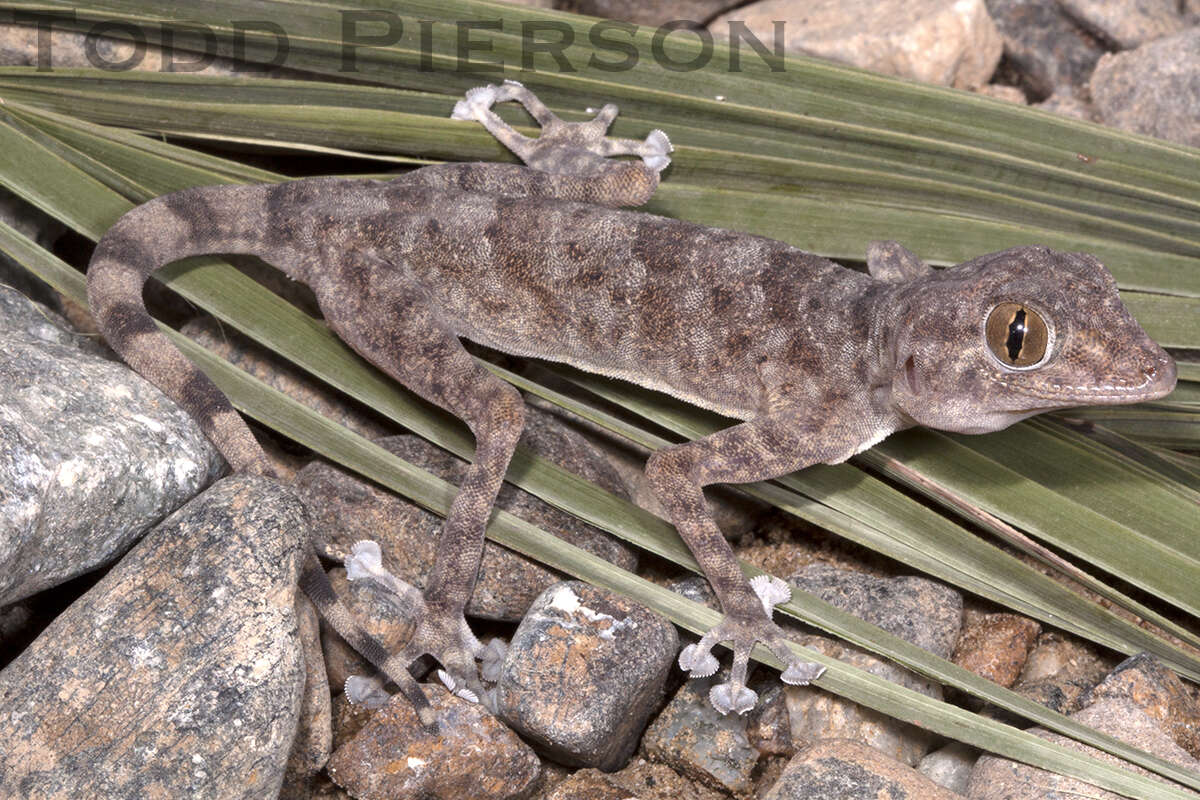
[(562, 147), (383, 311)]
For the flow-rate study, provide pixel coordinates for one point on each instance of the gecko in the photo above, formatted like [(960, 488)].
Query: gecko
[(550, 259)]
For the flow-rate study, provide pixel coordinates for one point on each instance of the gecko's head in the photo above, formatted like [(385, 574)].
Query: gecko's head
[(1002, 337)]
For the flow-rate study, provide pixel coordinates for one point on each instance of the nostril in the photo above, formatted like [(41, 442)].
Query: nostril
[(1150, 371)]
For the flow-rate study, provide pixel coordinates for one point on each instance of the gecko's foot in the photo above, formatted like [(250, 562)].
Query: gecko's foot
[(561, 146), (742, 630), (442, 632)]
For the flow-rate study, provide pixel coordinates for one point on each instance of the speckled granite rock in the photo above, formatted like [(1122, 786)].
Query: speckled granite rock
[(34, 224), (1059, 671), (1069, 106), (1143, 681), (654, 14), (19, 47), (1049, 51), (314, 734), (93, 455), (610, 659), (995, 646), (650, 780), (949, 42), (281, 374), (736, 514), (769, 727), (817, 715), (950, 766), (471, 757), (691, 737), (180, 673), (1154, 89), (1127, 23), (348, 509), (850, 770), (1119, 710), (918, 610)]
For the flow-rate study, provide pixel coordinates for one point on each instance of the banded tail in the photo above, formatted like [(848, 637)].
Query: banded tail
[(202, 221)]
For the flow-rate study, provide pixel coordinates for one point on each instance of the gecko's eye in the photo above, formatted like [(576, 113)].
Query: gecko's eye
[(1016, 335)]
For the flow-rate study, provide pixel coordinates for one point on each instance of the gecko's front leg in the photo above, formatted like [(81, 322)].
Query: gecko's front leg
[(766, 447)]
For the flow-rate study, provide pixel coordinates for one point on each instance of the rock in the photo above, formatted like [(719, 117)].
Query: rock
[(1119, 710), (348, 719), (281, 374), (1127, 23), (1154, 89), (610, 659), (34, 224), (817, 715), (179, 674), (349, 509), (768, 725), (918, 610), (1069, 106), (950, 767), (380, 613), (314, 736), (1059, 670), (995, 646), (471, 756), (1143, 681), (19, 47), (93, 455), (850, 770), (655, 14), (641, 780), (948, 42), (1009, 94), (1050, 52), (736, 514), (693, 738)]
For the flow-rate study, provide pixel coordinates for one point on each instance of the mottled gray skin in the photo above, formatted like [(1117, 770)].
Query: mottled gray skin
[(820, 361)]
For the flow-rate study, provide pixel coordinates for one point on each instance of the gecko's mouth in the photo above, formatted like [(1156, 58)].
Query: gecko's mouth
[(1155, 379)]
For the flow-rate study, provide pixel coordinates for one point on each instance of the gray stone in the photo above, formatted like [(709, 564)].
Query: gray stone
[(948, 42), (693, 738), (610, 660), (1154, 89), (34, 224), (1059, 671), (1123, 708), (281, 374), (1051, 53), (1069, 105), (850, 770), (19, 47), (736, 514), (655, 14), (179, 674), (1127, 23), (471, 756), (950, 767), (349, 509), (817, 714), (918, 610), (314, 733), (93, 455), (1144, 682)]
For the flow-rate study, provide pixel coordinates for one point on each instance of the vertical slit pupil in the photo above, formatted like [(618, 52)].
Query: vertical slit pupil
[(1016, 335)]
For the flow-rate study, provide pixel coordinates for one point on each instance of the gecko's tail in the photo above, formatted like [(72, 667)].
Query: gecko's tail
[(150, 236)]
